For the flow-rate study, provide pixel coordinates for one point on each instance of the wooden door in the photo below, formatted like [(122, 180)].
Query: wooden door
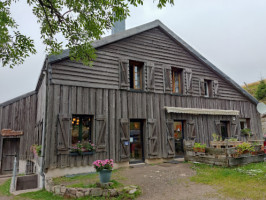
[(10, 149)]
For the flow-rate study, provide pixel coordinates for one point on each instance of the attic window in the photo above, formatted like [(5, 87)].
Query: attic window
[(135, 74), (207, 88), (177, 80)]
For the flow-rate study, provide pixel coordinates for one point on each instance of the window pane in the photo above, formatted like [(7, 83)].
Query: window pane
[(81, 128), (177, 82), (137, 77)]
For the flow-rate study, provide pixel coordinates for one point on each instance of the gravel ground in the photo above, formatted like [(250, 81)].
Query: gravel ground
[(168, 181)]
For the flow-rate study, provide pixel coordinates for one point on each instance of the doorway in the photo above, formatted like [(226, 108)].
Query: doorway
[(224, 129), (179, 137), (9, 150), (136, 141)]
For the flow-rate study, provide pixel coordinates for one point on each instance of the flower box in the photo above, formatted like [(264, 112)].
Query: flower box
[(81, 154)]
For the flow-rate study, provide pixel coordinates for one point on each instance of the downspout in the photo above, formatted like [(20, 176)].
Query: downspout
[(42, 182)]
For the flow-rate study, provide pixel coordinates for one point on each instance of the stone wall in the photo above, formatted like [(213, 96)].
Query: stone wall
[(100, 191)]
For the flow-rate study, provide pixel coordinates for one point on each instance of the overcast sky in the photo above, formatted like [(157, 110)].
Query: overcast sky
[(229, 33)]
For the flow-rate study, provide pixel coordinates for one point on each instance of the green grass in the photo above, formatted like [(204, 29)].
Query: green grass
[(4, 188), (40, 195), (246, 182), (82, 177)]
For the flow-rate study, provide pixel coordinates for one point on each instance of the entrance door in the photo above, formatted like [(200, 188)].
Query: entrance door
[(224, 129), (179, 137), (10, 149), (136, 141)]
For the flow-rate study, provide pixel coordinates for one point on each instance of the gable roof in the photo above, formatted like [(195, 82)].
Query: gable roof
[(139, 29)]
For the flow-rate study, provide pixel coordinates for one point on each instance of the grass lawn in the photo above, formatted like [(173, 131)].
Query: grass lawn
[(245, 182), (78, 181)]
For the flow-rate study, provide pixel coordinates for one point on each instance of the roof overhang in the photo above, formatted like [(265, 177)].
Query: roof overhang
[(199, 111)]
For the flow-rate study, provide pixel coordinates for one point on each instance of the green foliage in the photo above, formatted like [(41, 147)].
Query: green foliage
[(245, 147), (80, 177), (245, 182), (36, 149), (198, 145), (216, 137), (232, 139), (4, 188), (41, 195), (261, 90), (246, 132), (116, 184), (76, 22)]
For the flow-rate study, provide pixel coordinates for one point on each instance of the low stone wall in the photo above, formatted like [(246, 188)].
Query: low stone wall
[(100, 191)]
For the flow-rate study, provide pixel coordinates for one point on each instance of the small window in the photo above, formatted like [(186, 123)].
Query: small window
[(81, 128), (207, 88), (244, 123), (135, 74), (177, 80), (225, 129)]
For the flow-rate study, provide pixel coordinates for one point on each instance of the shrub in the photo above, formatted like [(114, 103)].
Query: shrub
[(200, 146), (244, 147)]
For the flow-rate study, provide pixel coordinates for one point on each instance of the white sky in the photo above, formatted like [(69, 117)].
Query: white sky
[(229, 33)]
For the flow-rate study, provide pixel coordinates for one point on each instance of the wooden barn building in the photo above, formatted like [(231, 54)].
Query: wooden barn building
[(146, 92)]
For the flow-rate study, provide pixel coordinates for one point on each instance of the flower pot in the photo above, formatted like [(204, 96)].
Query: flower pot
[(105, 176)]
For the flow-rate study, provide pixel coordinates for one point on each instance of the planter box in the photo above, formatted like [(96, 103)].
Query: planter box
[(83, 153)]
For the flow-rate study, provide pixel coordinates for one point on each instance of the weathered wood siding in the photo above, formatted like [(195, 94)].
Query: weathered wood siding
[(150, 46), (115, 105), (20, 115)]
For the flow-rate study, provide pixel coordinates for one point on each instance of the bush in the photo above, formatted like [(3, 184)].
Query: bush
[(245, 147)]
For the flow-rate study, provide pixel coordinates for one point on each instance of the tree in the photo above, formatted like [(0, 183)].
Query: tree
[(261, 91), (79, 22)]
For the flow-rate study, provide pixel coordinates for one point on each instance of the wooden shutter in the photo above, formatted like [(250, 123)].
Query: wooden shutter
[(233, 129), (201, 87), (124, 134), (167, 79), (63, 133), (215, 88), (153, 138), (100, 133), (123, 74), (191, 129), (218, 127), (188, 81), (170, 138), (150, 76)]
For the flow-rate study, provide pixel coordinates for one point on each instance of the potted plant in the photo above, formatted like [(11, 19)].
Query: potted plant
[(36, 149), (87, 148), (244, 148), (104, 167), (246, 132), (76, 149), (199, 147)]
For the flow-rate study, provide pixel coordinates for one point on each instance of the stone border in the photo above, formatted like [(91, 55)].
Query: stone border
[(100, 190)]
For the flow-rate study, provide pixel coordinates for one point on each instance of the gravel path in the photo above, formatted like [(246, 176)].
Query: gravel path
[(168, 181)]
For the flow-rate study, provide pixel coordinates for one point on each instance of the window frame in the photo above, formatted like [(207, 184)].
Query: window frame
[(132, 65), (246, 122), (180, 80), (90, 136), (208, 89)]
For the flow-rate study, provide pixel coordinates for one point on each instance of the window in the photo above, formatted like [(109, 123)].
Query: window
[(81, 128), (244, 123), (225, 129), (207, 88), (135, 74), (177, 80)]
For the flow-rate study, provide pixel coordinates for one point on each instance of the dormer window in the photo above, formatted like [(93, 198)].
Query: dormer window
[(177, 80), (135, 74)]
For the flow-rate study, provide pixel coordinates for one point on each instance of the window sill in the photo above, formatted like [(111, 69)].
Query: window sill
[(82, 153)]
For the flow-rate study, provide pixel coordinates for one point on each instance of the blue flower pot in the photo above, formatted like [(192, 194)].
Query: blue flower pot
[(105, 176)]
